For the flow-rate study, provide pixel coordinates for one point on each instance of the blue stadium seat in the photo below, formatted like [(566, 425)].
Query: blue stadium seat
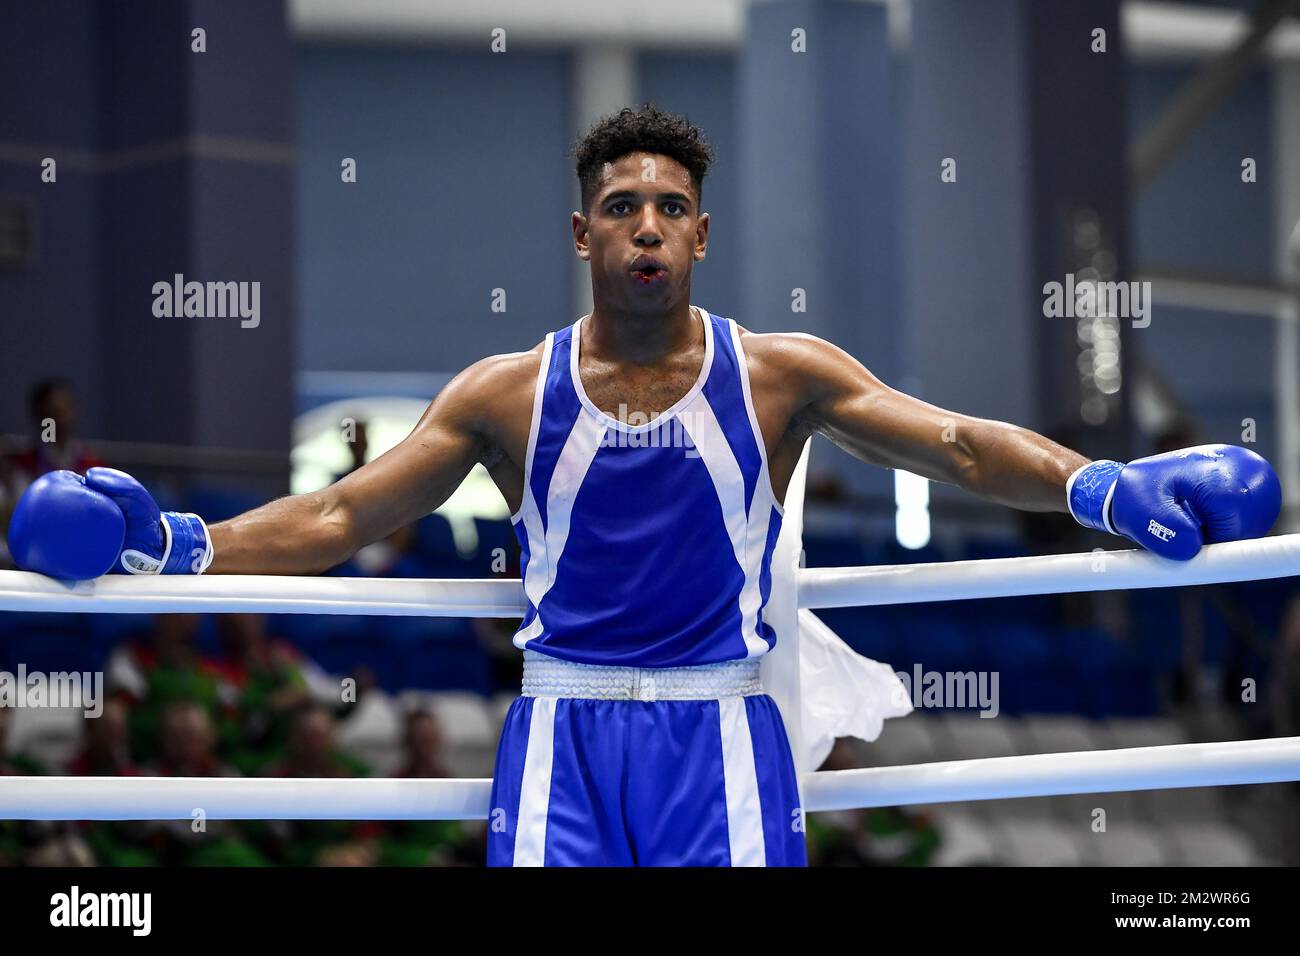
[(1157, 617), (868, 630), (418, 566), (1115, 678), (206, 640), (491, 536), (1218, 632), (934, 641), (109, 630), (1033, 674), (434, 540), (834, 551), (990, 548), (342, 645), (889, 551), (50, 642), (1264, 602), (221, 504), (14, 621), (436, 548), (1042, 610), (436, 654)]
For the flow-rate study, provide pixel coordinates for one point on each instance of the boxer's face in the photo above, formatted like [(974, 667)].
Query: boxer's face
[(642, 234)]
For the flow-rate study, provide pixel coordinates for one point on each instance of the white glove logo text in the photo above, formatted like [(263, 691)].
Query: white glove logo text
[(1156, 529)]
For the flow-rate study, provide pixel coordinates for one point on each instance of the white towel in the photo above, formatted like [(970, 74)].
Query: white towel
[(843, 694), (823, 688)]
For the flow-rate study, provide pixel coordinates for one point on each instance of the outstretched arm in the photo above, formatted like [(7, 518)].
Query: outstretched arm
[(1170, 503), (1000, 462), (306, 534)]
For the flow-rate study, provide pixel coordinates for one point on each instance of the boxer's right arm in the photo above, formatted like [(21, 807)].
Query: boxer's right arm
[(306, 534)]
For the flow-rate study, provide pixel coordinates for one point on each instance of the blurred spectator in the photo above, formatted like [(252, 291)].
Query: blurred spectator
[(36, 842), (881, 836), (189, 743), (825, 487), (52, 444), (423, 747), (106, 747), (312, 752), (10, 837), (1175, 435), (106, 752), (169, 669), (357, 448), (13, 764), (62, 847), (271, 680), (189, 750), (426, 842)]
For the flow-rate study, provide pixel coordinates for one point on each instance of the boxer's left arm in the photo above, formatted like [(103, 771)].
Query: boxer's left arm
[(834, 394), (1170, 503)]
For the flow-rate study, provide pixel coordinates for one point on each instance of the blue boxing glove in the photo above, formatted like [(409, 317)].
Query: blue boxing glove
[(1172, 503), (156, 542), (64, 529)]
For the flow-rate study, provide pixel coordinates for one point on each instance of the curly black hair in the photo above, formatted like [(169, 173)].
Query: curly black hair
[(644, 130)]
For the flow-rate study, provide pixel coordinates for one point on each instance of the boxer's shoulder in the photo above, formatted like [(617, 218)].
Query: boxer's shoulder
[(789, 361), (785, 349), (493, 397), (497, 381), (507, 369)]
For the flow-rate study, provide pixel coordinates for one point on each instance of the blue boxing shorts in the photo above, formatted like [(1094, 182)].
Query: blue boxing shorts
[(626, 766)]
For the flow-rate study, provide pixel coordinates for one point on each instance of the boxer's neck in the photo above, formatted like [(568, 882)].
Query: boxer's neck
[(615, 336)]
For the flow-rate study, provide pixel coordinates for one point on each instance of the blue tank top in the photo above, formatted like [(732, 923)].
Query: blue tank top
[(647, 545)]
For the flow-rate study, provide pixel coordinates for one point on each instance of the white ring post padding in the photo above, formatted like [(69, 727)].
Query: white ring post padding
[(1276, 557), (278, 798), (817, 587)]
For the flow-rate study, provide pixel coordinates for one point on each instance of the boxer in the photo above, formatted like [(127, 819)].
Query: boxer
[(643, 736)]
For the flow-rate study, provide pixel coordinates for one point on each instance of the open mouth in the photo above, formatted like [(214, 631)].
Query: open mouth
[(646, 270)]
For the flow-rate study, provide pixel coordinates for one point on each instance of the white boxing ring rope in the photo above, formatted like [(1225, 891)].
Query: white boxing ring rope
[(239, 798), (1275, 557), (157, 798)]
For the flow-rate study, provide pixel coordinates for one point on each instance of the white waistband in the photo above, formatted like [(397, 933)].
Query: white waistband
[(550, 677)]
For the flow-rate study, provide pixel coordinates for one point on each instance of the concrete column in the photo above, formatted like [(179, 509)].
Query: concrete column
[(819, 199), (197, 180), (170, 161), (604, 81), (1013, 103)]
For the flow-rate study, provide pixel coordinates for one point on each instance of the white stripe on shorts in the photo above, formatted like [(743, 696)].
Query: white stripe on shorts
[(535, 787), (744, 812)]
